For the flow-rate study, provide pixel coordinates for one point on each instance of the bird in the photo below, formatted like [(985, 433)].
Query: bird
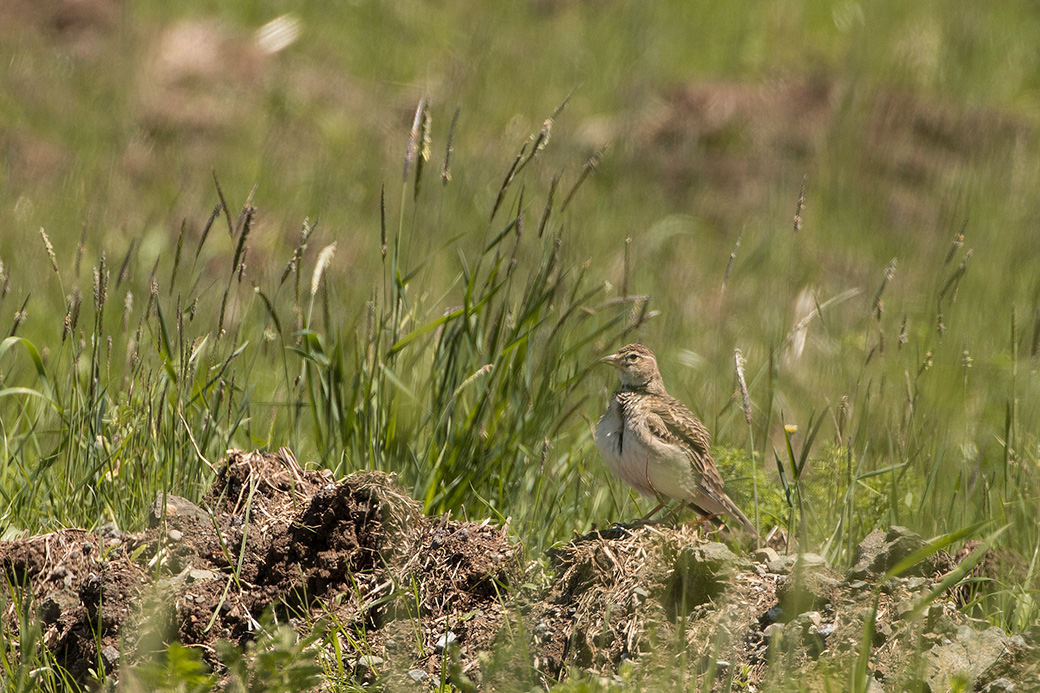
[(652, 442)]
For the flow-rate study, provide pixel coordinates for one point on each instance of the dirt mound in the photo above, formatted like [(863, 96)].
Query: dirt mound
[(275, 538), (409, 599)]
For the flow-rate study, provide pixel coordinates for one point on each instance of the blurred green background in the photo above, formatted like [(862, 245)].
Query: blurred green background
[(908, 131)]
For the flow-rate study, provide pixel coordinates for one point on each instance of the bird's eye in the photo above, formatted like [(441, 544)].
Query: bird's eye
[(632, 358)]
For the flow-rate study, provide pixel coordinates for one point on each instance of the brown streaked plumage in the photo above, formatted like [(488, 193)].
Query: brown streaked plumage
[(655, 444)]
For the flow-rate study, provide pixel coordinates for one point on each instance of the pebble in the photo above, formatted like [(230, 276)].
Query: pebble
[(369, 661), (765, 555), (417, 675), (110, 654), (175, 535), (444, 642)]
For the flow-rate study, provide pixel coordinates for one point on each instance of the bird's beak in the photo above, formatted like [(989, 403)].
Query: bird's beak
[(612, 359)]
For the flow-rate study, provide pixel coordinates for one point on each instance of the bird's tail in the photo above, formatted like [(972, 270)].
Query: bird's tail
[(733, 510)]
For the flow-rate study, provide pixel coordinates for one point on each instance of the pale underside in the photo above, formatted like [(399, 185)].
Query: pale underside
[(652, 466)]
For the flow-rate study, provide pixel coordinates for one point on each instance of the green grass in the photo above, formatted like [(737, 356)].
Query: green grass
[(462, 357)]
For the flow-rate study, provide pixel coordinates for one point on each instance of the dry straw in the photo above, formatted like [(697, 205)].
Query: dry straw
[(324, 259), (745, 398)]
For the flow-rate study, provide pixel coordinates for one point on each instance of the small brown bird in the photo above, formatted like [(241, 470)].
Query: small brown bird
[(655, 444)]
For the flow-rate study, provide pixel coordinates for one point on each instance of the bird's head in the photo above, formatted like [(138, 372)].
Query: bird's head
[(636, 367)]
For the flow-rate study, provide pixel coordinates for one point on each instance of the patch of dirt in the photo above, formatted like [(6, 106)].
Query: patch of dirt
[(80, 26), (274, 537), (410, 595), (729, 143)]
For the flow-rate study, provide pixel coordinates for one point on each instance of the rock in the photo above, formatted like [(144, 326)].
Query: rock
[(809, 587), (810, 560), (868, 550), (178, 511), (803, 631), (969, 654), (781, 565), (880, 552), (57, 603), (110, 655), (701, 573), (765, 555), (175, 535), (369, 661), (198, 574), (418, 675), (444, 642)]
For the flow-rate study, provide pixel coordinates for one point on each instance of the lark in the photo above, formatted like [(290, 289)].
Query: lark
[(656, 445)]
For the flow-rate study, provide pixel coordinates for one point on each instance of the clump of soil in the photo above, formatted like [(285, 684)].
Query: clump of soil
[(411, 595), (275, 538)]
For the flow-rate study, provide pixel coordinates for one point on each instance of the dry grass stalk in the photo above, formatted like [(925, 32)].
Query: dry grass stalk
[(450, 147), (71, 313), (958, 241), (324, 259), (876, 305), (177, 254), (100, 287), (414, 138), (301, 247), (507, 181), (223, 206), (124, 266), (81, 249), (547, 212), (732, 259), (19, 317), (207, 227), (128, 308), (800, 206), (50, 251), (745, 398), (586, 170)]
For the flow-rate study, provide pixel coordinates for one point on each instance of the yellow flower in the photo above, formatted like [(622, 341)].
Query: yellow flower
[(791, 428)]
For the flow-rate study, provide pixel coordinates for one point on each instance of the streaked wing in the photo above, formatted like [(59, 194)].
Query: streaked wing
[(676, 424)]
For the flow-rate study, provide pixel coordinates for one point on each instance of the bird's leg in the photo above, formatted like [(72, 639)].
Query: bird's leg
[(708, 520), (646, 518)]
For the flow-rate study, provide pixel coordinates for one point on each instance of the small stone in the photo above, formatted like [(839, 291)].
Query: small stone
[(811, 560), (781, 565), (773, 630), (765, 555), (197, 574), (825, 629), (110, 531), (444, 642), (57, 603), (175, 535), (110, 655), (177, 508), (915, 583), (369, 661), (858, 585), (417, 675)]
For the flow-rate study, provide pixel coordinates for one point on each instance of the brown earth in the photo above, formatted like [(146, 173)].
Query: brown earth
[(623, 604)]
